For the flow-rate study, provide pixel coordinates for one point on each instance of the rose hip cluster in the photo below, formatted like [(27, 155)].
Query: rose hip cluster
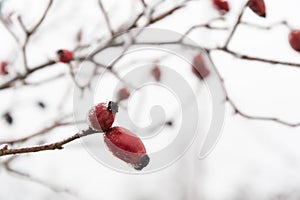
[(121, 142)]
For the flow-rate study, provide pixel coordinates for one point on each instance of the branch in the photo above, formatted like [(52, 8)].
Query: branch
[(165, 14), (236, 25), (242, 113), (28, 177), (19, 77), (269, 27), (40, 132), (29, 33), (34, 28), (207, 25), (13, 35), (252, 58), (52, 146), (106, 18)]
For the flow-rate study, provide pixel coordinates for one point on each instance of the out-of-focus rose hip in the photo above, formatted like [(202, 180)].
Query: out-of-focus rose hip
[(258, 6), (127, 146), (3, 68), (123, 94), (156, 73), (294, 39), (102, 116), (199, 67), (221, 5)]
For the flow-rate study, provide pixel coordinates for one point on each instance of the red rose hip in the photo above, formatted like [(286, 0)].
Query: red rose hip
[(258, 6), (102, 116), (3, 68), (294, 39), (123, 94), (221, 5), (64, 55), (156, 73), (199, 67), (127, 146)]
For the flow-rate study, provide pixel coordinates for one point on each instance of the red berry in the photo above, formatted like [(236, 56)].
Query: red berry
[(102, 116), (156, 73), (221, 5), (294, 39), (64, 56), (199, 67), (258, 6), (127, 147), (123, 94), (3, 68)]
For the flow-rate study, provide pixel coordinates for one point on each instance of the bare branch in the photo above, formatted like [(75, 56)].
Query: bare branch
[(29, 33), (13, 35), (30, 178), (243, 114), (52, 146), (252, 58), (269, 27), (105, 14), (34, 28), (40, 132), (236, 25), (207, 25)]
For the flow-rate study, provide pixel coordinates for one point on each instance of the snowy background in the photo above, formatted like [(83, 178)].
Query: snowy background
[(252, 160)]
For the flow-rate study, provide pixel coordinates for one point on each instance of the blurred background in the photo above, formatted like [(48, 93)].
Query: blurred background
[(253, 159)]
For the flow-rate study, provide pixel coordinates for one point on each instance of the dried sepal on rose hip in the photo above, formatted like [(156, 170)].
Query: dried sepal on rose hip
[(123, 94), (294, 39), (64, 56), (127, 146), (199, 67), (156, 73), (221, 5), (3, 68), (102, 116), (258, 6)]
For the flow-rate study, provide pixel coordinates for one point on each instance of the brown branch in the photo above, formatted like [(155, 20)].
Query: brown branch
[(207, 25), (143, 3), (40, 132), (242, 113), (19, 77), (235, 25), (52, 146), (269, 27), (44, 81), (13, 35), (30, 178), (252, 58), (34, 28), (29, 33), (165, 14), (105, 14)]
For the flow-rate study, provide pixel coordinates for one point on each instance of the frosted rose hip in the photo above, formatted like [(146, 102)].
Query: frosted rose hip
[(102, 116), (127, 146)]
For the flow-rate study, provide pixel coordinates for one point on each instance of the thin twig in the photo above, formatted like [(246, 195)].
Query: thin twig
[(40, 132), (236, 25), (106, 18), (52, 146)]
